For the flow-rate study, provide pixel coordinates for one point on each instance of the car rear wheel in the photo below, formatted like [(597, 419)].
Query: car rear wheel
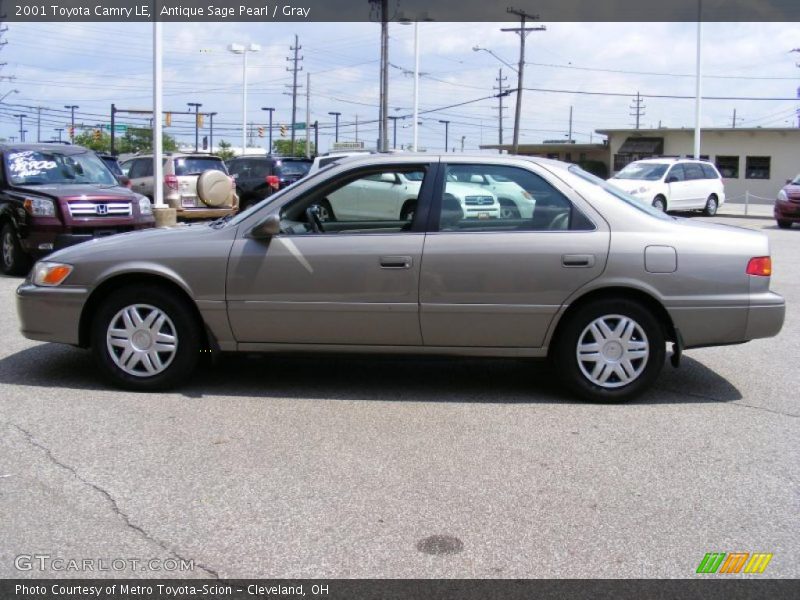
[(660, 203), (146, 338), (610, 351), (784, 224), (325, 211), (407, 212), (15, 261), (711, 206)]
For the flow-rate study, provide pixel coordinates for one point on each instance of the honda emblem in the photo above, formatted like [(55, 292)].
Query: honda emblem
[(101, 209)]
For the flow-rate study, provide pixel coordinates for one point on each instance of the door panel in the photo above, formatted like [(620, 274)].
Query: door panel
[(326, 289), (501, 289)]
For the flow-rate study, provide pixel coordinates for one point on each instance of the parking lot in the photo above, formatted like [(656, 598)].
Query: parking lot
[(346, 466)]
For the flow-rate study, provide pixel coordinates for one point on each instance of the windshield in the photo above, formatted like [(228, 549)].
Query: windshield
[(34, 167), (796, 180), (619, 194), (643, 171), (195, 165), (294, 167)]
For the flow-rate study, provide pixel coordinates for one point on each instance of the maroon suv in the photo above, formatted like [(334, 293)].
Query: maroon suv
[(787, 206), (52, 196)]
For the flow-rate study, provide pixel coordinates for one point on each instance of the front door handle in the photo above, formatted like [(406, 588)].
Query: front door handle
[(396, 262), (577, 260)]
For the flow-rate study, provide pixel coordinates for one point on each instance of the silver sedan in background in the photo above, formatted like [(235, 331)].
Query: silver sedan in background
[(591, 279)]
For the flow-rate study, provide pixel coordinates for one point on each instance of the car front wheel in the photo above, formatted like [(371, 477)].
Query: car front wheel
[(660, 203), (15, 261), (784, 224), (146, 338), (610, 351)]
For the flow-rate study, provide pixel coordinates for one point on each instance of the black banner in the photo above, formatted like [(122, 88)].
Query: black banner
[(712, 588), (399, 10)]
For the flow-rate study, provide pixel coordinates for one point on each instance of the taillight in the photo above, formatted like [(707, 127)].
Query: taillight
[(273, 181), (760, 265), (171, 181)]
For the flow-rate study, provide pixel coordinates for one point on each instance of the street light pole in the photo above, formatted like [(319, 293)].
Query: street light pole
[(336, 115), (394, 132), (211, 131), (197, 106), (243, 50), (270, 110), (72, 108), (158, 143), (446, 131)]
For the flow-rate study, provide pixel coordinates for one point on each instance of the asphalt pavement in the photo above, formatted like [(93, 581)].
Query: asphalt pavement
[(402, 467)]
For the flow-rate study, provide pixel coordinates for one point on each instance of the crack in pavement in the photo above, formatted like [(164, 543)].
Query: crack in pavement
[(723, 401), (111, 500)]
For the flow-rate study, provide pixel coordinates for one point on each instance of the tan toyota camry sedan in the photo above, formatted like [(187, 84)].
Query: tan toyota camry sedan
[(404, 254)]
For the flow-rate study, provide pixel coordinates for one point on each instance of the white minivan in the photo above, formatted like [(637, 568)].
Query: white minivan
[(673, 184)]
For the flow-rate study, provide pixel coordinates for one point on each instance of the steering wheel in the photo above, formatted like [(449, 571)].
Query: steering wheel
[(559, 222), (312, 214)]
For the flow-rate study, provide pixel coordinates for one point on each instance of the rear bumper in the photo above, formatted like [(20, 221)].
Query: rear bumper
[(50, 314), (765, 316)]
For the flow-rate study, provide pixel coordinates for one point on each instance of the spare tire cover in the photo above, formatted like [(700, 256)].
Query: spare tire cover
[(214, 188)]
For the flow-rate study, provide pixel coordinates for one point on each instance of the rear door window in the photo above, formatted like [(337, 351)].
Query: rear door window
[(709, 171), (693, 171), (195, 165), (677, 172)]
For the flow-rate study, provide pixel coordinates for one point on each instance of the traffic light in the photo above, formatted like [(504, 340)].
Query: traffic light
[(283, 130), (168, 119), (71, 131), (199, 119), (97, 135), (260, 132)]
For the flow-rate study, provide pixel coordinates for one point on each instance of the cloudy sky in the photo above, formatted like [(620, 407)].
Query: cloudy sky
[(95, 64)]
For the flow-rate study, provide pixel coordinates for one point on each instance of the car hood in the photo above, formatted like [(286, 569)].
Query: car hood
[(467, 189), (135, 243), (83, 191), (792, 190)]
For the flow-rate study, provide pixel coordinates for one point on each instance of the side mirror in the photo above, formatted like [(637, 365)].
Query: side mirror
[(124, 181), (788, 182), (389, 177), (475, 178), (672, 179), (269, 227)]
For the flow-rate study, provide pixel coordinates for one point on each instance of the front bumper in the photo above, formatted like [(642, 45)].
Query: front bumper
[(51, 314), (787, 211)]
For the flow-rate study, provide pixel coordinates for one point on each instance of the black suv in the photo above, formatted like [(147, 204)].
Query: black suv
[(259, 176), (52, 196)]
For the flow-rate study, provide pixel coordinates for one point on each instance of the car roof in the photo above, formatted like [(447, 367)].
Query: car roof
[(62, 148), (672, 159), (453, 158)]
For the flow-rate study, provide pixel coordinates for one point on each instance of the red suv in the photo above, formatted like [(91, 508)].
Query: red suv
[(52, 196), (787, 206)]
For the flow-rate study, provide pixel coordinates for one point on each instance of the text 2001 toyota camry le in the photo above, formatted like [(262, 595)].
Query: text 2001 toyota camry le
[(374, 254)]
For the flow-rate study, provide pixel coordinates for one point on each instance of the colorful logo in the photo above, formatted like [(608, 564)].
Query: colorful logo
[(734, 562)]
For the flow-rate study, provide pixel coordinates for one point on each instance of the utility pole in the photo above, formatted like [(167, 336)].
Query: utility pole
[(463, 138), (502, 91), (270, 110), (211, 131), (21, 130), (38, 124), (295, 69), (196, 106), (308, 115), (316, 138), (59, 130), (72, 108), (446, 131), (735, 119), (638, 107), (523, 32), (383, 110), (394, 135), (569, 134), (356, 127), (336, 115)]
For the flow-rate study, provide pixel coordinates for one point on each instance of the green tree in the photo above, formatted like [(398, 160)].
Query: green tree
[(224, 152), (141, 140), (87, 139), (284, 147)]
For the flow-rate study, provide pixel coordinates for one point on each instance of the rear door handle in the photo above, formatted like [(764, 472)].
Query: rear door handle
[(577, 260), (396, 262)]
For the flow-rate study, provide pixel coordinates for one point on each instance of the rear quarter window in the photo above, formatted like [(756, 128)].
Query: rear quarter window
[(709, 171), (195, 165)]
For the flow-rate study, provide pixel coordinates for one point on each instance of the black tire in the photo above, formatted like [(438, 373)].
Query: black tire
[(565, 350), (660, 203), (784, 224), (508, 210), (188, 333), (14, 259), (407, 212), (712, 204), (326, 214)]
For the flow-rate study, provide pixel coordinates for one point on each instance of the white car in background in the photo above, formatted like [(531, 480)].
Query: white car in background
[(393, 196), (673, 184), (515, 201)]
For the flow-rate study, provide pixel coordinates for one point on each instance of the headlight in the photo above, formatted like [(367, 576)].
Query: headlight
[(50, 274), (145, 207), (782, 196), (40, 207)]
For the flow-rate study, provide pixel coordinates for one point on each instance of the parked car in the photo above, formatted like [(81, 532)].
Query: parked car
[(113, 165), (393, 196), (53, 196), (515, 202), (787, 205), (257, 177), (196, 185), (593, 280), (673, 184)]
